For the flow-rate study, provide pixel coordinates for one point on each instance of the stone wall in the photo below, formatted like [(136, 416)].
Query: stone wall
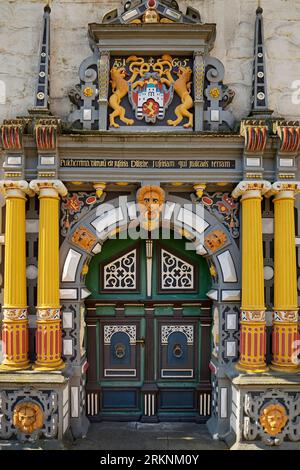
[(20, 31)]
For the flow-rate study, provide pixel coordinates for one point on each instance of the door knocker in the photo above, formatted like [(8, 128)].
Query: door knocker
[(177, 351), (120, 350)]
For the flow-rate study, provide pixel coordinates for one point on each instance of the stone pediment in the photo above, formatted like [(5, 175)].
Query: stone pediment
[(152, 11)]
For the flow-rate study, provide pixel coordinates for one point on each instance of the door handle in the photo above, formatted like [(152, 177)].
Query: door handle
[(141, 341)]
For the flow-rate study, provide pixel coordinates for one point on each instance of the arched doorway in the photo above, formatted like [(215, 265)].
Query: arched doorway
[(148, 320), (89, 235)]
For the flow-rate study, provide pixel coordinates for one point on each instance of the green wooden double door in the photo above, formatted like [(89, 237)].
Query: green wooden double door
[(148, 332)]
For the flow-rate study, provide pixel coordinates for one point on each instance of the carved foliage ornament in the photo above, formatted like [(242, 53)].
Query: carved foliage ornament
[(151, 89), (28, 417)]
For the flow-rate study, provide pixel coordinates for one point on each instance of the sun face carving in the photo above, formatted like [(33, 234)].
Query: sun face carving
[(28, 417), (273, 419), (150, 200)]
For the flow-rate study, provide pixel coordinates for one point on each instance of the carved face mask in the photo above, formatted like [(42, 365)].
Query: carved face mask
[(151, 16)]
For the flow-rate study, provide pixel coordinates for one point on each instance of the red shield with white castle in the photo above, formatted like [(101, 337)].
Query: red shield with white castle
[(150, 98)]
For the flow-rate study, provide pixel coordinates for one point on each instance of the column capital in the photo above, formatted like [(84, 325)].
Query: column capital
[(15, 188), (49, 188), (284, 190), (257, 188)]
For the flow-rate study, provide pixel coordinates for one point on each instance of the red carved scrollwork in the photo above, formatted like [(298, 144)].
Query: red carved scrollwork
[(255, 134), (46, 131), (289, 135), (12, 134)]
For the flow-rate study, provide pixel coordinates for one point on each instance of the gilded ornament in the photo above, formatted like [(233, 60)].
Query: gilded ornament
[(88, 91), (273, 419), (28, 417), (215, 93)]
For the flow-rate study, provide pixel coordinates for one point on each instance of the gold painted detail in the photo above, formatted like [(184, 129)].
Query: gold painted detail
[(150, 200), (99, 187), (215, 240), (84, 238), (199, 70), (199, 188), (48, 313), (46, 174), (273, 418), (88, 91), (253, 316), (214, 92), (288, 316), (103, 75), (9, 174), (28, 417), (14, 313), (85, 269)]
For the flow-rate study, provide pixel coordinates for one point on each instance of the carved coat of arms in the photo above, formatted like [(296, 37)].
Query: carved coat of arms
[(150, 90), (150, 97)]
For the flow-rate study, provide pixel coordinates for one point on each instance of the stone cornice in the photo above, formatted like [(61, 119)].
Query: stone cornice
[(186, 36)]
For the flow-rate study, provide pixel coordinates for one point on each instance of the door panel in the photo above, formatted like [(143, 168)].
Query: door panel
[(120, 350), (177, 350), (146, 351)]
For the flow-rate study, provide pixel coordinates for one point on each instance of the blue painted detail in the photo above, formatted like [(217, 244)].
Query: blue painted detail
[(175, 399), (118, 399), (120, 338), (177, 340)]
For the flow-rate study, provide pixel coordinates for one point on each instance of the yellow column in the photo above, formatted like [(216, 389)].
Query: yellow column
[(15, 322), (285, 326), (253, 324), (48, 334)]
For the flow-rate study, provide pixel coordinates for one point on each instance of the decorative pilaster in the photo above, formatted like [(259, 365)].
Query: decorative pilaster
[(285, 326), (15, 322), (199, 76), (253, 323), (48, 335), (103, 67)]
